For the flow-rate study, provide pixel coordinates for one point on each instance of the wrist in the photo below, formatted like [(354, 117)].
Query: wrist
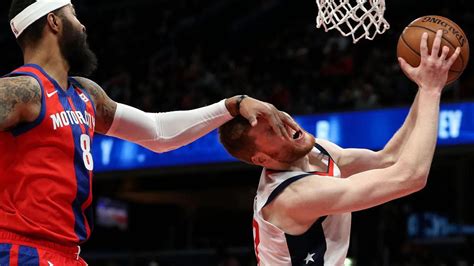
[(233, 104), (430, 92)]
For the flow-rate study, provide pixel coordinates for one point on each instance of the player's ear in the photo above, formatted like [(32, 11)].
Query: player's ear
[(54, 22), (261, 159)]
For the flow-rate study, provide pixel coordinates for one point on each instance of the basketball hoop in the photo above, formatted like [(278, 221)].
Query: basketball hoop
[(362, 19)]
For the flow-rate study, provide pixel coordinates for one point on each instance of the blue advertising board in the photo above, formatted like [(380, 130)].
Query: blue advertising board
[(362, 129)]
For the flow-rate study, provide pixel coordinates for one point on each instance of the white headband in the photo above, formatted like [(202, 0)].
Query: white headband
[(34, 12)]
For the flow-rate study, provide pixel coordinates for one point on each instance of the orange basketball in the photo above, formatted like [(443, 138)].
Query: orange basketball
[(453, 36)]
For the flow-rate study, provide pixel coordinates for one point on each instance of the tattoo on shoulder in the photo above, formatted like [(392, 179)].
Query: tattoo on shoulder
[(96, 92), (105, 107), (17, 91)]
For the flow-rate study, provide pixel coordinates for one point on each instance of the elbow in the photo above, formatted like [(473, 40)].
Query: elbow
[(157, 146), (414, 177), (388, 159), (158, 150), (419, 180), (163, 149)]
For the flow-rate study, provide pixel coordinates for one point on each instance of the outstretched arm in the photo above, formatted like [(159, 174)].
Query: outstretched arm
[(353, 161), (312, 197), (397, 143), (161, 132), (319, 196)]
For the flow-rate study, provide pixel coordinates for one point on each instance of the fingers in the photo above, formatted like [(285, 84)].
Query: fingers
[(288, 120), (437, 43), (252, 120), (280, 122), (453, 57), (424, 45), (404, 65), (444, 53), (252, 109), (435, 54), (284, 124), (272, 115), (277, 125), (432, 71)]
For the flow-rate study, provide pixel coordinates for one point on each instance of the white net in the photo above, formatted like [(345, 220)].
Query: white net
[(358, 18)]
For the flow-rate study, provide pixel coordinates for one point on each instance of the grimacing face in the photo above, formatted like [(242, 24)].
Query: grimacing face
[(281, 150)]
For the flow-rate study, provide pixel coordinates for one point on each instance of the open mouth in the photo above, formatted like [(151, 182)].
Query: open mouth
[(297, 134)]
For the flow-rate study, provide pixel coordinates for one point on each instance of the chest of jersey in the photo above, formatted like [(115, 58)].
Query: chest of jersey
[(47, 175)]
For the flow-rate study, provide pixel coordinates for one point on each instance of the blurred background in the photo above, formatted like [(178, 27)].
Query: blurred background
[(194, 206)]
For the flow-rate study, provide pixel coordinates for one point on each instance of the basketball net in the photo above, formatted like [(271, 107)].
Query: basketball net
[(363, 19)]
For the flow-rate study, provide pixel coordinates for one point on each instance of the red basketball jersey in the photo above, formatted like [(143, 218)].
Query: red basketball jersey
[(46, 167)]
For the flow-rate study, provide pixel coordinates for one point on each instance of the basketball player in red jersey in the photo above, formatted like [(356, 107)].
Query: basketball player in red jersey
[(302, 208), (47, 123)]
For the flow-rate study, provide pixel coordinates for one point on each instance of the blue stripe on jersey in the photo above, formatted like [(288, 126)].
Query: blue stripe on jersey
[(308, 248), (5, 254), (82, 174), (89, 212), (323, 150), (23, 128), (80, 105), (40, 69), (79, 85), (282, 186), (28, 256)]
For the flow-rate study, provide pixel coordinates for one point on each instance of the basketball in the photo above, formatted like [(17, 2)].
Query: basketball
[(408, 46)]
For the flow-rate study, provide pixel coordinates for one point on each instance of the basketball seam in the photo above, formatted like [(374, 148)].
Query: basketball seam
[(407, 45), (428, 29)]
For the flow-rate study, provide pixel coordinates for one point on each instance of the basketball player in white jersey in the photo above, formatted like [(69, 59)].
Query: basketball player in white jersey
[(309, 187)]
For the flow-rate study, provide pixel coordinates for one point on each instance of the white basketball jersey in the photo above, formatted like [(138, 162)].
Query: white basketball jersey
[(325, 243)]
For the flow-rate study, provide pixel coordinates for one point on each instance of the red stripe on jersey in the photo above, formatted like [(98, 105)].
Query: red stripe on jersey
[(256, 239), (73, 107), (331, 167), (330, 170), (14, 252)]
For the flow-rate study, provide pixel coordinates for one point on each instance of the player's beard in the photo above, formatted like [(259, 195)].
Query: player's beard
[(75, 49), (293, 153)]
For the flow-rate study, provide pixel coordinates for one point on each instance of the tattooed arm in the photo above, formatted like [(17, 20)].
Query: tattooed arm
[(105, 107), (20, 101)]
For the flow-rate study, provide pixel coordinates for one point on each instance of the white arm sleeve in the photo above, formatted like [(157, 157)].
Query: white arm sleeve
[(162, 132)]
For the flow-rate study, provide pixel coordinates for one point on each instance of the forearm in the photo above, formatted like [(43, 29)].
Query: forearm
[(419, 148), (410, 173), (167, 131), (396, 144), (355, 161)]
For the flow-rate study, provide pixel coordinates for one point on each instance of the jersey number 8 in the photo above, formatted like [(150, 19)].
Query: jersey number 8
[(86, 152)]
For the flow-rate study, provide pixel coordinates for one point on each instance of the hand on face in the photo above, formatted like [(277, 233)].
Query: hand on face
[(282, 124), (432, 73)]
